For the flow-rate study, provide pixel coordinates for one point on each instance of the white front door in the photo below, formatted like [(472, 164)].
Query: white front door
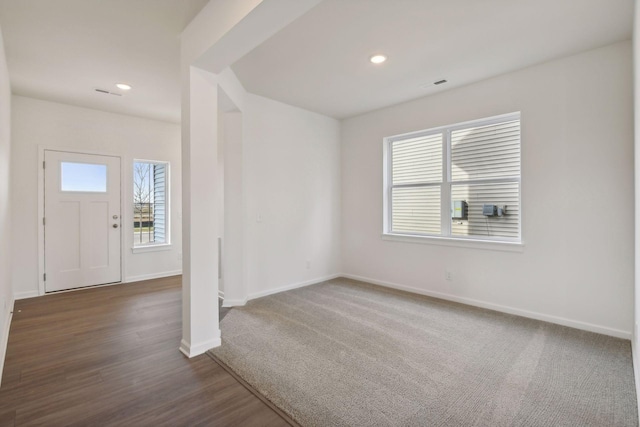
[(81, 220)]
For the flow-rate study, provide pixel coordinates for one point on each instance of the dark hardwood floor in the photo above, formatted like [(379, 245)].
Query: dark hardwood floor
[(109, 356)]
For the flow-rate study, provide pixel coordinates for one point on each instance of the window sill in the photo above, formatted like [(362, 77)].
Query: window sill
[(456, 242), (151, 248)]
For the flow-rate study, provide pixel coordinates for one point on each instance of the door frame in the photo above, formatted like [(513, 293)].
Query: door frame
[(124, 218)]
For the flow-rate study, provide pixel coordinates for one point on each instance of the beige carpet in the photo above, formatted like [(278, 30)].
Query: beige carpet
[(344, 353)]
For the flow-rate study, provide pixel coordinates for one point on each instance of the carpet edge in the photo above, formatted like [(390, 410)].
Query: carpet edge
[(280, 411)]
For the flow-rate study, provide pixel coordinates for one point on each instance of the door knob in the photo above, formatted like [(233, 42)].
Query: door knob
[(115, 225), (115, 217)]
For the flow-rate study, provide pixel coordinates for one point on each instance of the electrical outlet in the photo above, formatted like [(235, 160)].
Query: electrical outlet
[(179, 256), (448, 276), (308, 264)]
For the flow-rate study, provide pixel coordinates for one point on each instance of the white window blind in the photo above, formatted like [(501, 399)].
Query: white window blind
[(417, 160), (416, 209), (476, 162), (417, 176)]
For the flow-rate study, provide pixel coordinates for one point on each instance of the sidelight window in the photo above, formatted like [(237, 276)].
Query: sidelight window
[(150, 201)]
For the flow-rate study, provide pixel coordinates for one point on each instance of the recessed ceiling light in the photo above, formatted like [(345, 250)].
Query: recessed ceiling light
[(378, 59), (123, 86)]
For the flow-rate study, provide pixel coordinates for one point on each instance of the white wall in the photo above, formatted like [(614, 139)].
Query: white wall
[(6, 292), (636, 87), (278, 179), (292, 186), (232, 227), (577, 195), (49, 124)]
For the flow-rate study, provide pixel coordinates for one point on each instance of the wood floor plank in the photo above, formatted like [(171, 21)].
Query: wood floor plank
[(109, 356)]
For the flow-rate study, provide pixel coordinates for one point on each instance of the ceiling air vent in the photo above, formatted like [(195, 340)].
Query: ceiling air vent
[(106, 92)]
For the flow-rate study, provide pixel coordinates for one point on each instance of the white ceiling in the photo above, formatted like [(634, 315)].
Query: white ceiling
[(320, 62), (62, 50)]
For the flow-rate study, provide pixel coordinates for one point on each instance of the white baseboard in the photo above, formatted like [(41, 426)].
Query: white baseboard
[(4, 339), (196, 350), (25, 295), (130, 279), (241, 302), (234, 302), (497, 307), (292, 286), (152, 276), (228, 302)]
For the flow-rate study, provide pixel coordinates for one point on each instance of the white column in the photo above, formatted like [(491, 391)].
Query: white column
[(200, 329), (220, 34)]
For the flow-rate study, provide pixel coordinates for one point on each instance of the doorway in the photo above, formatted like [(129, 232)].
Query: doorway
[(82, 220)]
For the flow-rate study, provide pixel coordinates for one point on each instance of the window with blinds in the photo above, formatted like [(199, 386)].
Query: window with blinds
[(476, 162), (417, 177), (150, 197)]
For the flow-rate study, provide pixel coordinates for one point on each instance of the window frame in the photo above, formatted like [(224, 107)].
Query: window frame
[(153, 246), (445, 237)]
